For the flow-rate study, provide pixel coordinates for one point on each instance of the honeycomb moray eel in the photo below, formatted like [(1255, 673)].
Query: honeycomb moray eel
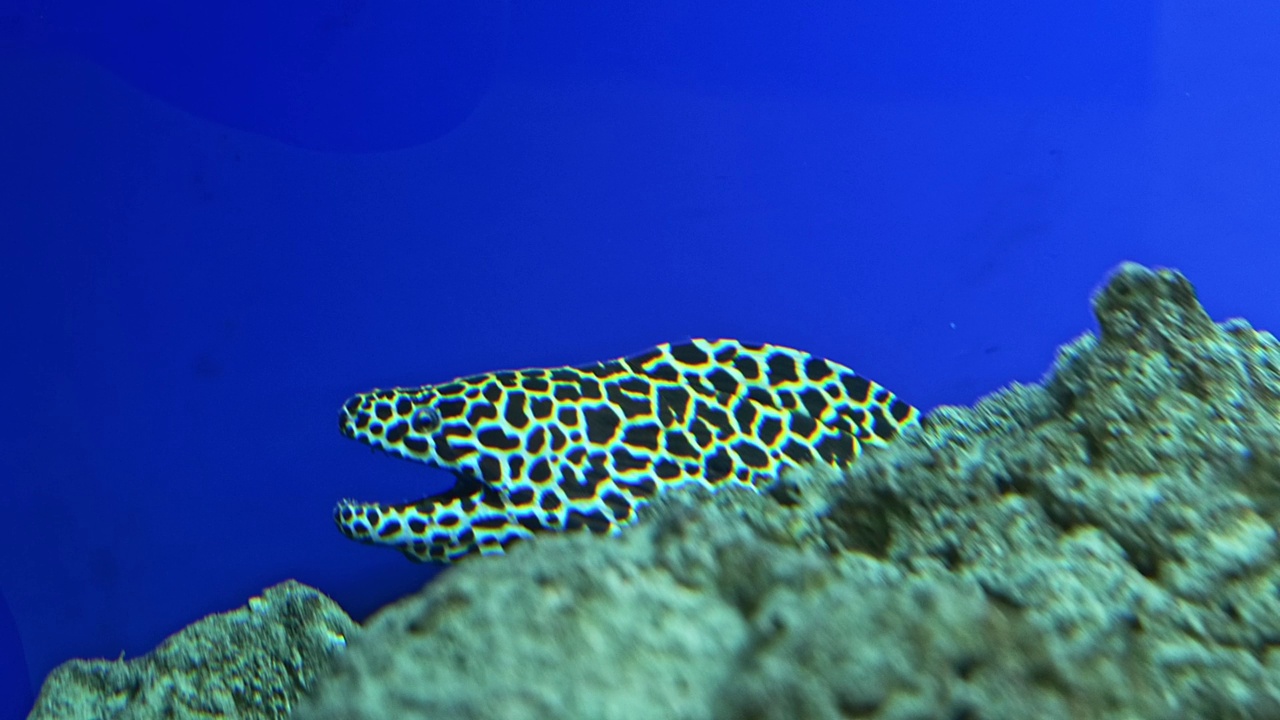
[(554, 449)]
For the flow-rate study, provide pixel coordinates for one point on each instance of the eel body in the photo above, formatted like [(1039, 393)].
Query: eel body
[(554, 449)]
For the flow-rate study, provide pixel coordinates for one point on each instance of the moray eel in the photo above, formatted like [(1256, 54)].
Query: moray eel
[(553, 449)]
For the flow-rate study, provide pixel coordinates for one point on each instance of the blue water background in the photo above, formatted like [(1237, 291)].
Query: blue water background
[(217, 223)]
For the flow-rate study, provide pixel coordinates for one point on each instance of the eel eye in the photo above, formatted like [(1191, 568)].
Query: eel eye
[(425, 419)]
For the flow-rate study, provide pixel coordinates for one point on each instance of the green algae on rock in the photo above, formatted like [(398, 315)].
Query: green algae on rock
[(247, 664), (1100, 544)]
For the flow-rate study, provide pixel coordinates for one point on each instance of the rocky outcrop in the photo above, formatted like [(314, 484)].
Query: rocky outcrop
[(1100, 544)]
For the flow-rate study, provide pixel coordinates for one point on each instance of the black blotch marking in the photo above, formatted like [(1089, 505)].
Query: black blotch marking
[(727, 353), (715, 417), (498, 439), (396, 432), (403, 407), (575, 490), (567, 416), (566, 392), (521, 497), (447, 520), (638, 386), (836, 449), (624, 461), (679, 445), (491, 522), (541, 407), (607, 369), (535, 442), (641, 488), (899, 410), (602, 424), (576, 455), (515, 413), (719, 466), (540, 470), (597, 466), (881, 426), (856, 387), (515, 464), (782, 369), (638, 361), (694, 382), (375, 428), (817, 369), (814, 402), (666, 470), (630, 405), (595, 521), (482, 411), (362, 420), (701, 434), (802, 425), (761, 397), (722, 381), (451, 389), (549, 500), (882, 396), (770, 429), (451, 408), (747, 366), (665, 372), (644, 435), (558, 440), (383, 411), (568, 476), (490, 469), (492, 392), (535, 384), (618, 505), (493, 498), (417, 526), (391, 528), (745, 414), (751, 455), (373, 516), (590, 388), (798, 452), (689, 354), (529, 521), (673, 406)]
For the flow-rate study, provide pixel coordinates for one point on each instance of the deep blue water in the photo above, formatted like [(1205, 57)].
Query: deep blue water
[(219, 223)]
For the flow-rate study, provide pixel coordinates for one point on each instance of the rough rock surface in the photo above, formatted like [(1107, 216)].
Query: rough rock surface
[(1099, 545), (247, 664)]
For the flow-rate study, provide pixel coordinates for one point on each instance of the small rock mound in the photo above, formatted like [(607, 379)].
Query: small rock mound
[(247, 664)]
